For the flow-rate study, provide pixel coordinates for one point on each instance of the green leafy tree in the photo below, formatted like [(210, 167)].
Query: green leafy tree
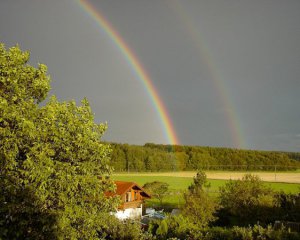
[(248, 199), (199, 207), (157, 189), (174, 227), (114, 229), (54, 169), (199, 183), (288, 206)]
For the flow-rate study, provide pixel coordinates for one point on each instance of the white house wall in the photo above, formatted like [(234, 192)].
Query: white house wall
[(131, 213)]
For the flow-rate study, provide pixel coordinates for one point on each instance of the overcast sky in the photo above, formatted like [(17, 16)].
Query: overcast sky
[(227, 71)]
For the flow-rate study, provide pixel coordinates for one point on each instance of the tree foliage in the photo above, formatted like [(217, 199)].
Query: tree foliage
[(288, 207), (157, 189), (199, 207), (247, 199), (114, 229), (54, 168), (199, 183), (174, 227), (155, 157)]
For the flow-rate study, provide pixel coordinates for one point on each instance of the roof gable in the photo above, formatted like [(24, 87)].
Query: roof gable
[(123, 187)]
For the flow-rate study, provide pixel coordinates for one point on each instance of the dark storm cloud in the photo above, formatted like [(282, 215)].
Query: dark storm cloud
[(252, 45)]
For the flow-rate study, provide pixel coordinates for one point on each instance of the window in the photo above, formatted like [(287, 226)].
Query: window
[(135, 195), (128, 197)]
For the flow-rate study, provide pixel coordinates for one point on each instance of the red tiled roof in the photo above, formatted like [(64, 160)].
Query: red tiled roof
[(123, 187)]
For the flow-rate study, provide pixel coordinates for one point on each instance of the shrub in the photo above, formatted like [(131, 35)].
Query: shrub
[(248, 200)]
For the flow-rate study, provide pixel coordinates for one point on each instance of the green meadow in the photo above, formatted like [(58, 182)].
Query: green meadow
[(177, 185), (182, 183)]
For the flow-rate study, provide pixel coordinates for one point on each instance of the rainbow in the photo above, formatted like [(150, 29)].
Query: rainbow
[(232, 118), (137, 68)]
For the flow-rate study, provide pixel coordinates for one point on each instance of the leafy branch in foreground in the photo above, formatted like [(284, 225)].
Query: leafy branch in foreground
[(54, 169)]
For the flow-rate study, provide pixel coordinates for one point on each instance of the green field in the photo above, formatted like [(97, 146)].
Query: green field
[(182, 183), (179, 184)]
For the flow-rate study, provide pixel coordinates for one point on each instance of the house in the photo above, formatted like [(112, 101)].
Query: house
[(132, 199)]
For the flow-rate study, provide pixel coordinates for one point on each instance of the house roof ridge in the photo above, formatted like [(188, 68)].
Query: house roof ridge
[(123, 186)]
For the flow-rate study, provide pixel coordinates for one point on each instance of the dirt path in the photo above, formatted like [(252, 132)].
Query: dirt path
[(287, 177)]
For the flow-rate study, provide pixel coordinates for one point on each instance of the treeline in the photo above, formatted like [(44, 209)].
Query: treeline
[(157, 157)]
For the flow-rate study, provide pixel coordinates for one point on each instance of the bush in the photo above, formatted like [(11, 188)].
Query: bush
[(218, 233), (248, 233), (248, 201), (114, 229), (174, 227), (199, 207)]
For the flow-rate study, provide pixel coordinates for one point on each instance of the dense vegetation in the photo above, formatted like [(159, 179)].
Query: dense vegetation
[(154, 158), (245, 210), (55, 170)]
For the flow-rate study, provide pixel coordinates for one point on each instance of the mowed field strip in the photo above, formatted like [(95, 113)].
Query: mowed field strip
[(178, 184), (284, 177)]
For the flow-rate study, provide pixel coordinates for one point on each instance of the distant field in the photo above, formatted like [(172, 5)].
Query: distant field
[(284, 177), (179, 181), (176, 183)]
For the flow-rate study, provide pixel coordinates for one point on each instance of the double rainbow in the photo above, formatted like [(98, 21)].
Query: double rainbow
[(137, 68), (230, 112)]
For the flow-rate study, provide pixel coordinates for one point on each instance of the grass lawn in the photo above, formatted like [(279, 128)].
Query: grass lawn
[(284, 177), (176, 183), (179, 184), (182, 183)]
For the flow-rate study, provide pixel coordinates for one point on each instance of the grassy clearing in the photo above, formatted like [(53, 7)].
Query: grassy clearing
[(176, 183), (286, 177), (182, 183), (179, 184)]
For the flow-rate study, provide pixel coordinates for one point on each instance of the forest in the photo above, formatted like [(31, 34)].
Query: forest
[(157, 157)]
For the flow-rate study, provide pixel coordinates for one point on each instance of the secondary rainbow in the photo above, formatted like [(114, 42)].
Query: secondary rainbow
[(232, 118), (137, 68)]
